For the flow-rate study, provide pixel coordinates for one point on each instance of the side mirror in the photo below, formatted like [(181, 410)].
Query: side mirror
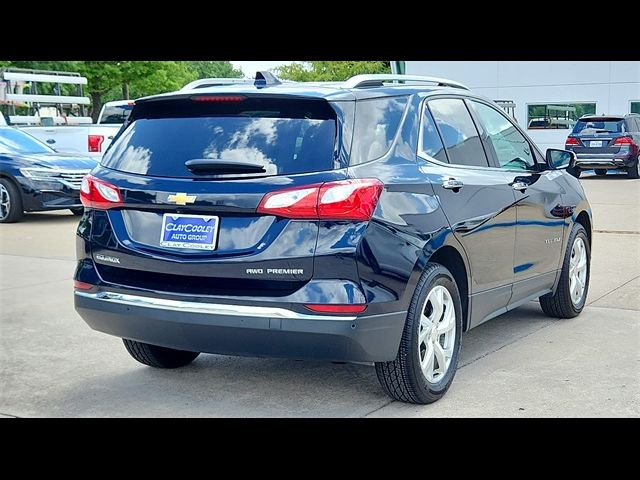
[(559, 159)]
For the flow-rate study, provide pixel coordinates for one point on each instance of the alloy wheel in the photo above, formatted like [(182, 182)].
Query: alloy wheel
[(5, 202), (578, 271), (436, 334)]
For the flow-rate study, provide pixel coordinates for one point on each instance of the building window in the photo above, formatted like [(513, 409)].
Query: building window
[(555, 116), (635, 107)]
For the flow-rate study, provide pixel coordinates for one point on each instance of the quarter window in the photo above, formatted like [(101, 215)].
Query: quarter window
[(458, 132), (431, 142), (635, 107), (511, 147), (377, 122), (557, 116)]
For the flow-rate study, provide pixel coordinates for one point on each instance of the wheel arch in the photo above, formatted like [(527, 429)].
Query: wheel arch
[(584, 219), (450, 258)]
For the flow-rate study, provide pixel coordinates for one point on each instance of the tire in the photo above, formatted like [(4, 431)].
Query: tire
[(600, 171), (634, 170), (158, 357), (576, 172), (561, 304), (10, 202), (78, 211), (403, 379)]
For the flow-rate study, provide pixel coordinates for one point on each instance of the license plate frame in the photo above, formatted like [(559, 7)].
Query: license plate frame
[(184, 238), (595, 143)]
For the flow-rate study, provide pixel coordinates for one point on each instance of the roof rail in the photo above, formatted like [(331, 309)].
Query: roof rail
[(212, 82), (377, 79)]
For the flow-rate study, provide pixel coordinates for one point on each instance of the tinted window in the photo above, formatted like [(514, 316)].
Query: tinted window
[(376, 124), (635, 107), (15, 141), (431, 141), (115, 114), (458, 132), (284, 137), (510, 146), (599, 125)]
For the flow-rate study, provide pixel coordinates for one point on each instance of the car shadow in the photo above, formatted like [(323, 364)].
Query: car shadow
[(216, 385), (45, 217)]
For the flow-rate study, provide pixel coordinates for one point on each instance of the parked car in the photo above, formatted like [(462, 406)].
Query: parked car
[(35, 178), (87, 139), (363, 222), (606, 142)]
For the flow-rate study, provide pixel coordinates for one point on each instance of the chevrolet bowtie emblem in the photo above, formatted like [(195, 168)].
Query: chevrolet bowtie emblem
[(181, 198)]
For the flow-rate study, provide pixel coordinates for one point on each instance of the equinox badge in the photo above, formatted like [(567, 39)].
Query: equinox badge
[(181, 198)]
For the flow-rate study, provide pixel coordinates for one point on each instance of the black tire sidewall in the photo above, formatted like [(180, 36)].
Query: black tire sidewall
[(438, 276), (15, 210), (577, 231)]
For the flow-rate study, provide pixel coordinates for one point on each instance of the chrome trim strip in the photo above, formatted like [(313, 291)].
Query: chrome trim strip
[(207, 308)]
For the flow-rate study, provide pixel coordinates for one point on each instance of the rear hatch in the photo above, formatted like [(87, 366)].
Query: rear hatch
[(192, 172), (597, 136)]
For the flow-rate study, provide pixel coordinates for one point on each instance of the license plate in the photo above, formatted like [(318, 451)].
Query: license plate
[(595, 143), (198, 232)]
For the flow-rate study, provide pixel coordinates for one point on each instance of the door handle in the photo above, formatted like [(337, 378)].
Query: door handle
[(452, 184), (522, 186), (50, 141)]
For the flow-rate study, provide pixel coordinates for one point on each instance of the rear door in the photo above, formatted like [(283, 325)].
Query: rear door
[(541, 214), (192, 172), (478, 201)]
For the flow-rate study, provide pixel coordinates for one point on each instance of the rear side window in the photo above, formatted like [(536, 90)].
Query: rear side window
[(115, 114), (599, 125), (458, 132), (283, 136), (431, 142), (376, 124)]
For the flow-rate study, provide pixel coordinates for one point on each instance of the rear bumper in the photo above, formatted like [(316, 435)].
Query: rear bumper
[(242, 330), (607, 162)]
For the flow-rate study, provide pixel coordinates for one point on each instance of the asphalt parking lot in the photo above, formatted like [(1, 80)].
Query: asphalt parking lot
[(518, 365)]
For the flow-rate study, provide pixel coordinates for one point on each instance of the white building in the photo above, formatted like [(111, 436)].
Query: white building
[(549, 96)]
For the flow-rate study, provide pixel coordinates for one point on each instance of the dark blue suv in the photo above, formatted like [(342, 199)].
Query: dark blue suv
[(361, 221)]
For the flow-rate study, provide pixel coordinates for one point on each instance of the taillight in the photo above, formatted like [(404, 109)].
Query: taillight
[(623, 141), (328, 308), (95, 143), (95, 193), (572, 141), (341, 200)]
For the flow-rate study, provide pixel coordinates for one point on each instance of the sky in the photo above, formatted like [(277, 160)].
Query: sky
[(250, 68)]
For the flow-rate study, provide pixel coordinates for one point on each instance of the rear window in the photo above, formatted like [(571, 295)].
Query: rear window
[(604, 125), (115, 114), (282, 136)]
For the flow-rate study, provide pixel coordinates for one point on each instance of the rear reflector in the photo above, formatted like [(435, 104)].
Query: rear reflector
[(218, 98), (95, 143), (82, 285), (342, 200), (623, 141), (337, 308), (95, 193), (572, 141)]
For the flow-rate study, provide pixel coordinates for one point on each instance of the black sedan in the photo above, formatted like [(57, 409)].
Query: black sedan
[(35, 178)]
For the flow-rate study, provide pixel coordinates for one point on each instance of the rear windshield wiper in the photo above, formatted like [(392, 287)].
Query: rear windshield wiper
[(211, 165)]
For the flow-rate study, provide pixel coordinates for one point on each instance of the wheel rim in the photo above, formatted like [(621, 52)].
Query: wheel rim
[(5, 202), (578, 271), (437, 333)]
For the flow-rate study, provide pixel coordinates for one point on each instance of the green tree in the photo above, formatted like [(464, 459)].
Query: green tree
[(215, 69), (102, 77), (323, 71)]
